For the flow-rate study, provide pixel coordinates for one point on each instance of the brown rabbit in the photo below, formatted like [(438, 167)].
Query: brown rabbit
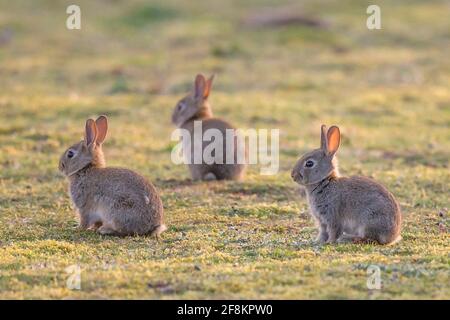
[(354, 209), (195, 107), (112, 201)]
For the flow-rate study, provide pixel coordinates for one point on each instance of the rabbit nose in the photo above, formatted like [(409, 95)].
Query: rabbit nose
[(296, 175)]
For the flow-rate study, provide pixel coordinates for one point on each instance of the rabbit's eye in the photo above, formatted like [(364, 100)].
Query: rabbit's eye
[(70, 154), (309, 164), (180, 106)]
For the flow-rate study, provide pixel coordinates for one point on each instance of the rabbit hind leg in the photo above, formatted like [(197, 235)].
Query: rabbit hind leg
[(350, 238), (108, 230), (209, 177), (96, 225)]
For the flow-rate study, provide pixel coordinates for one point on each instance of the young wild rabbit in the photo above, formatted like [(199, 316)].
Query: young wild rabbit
[(354, 209), (195, 107), (112, 201)]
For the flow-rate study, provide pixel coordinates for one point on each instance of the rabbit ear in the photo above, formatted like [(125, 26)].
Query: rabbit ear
[(90, 134), (323, 138), (334, 139), (208, 86), (102, 129), (200, 85)]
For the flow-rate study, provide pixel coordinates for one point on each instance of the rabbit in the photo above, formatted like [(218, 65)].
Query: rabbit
[(110, 201), (195, 107), (346, 209)]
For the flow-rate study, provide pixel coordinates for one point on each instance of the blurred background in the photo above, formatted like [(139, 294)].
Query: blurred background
[(156, 47), (279, 64)]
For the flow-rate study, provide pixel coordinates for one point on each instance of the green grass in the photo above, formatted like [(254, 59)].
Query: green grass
[(388, 91)]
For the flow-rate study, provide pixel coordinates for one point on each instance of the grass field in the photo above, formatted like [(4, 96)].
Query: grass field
[(388, 90)]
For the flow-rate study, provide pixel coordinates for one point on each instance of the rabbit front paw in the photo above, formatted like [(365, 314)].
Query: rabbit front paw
[(322, 237), (83, 225)]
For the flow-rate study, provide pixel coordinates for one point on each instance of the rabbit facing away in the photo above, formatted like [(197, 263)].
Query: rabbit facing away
[(111, 201), (195, 107), (346, 209)]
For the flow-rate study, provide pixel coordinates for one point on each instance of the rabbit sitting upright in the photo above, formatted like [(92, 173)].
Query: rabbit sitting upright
[(195, 108), (347, 209), (112, 201)]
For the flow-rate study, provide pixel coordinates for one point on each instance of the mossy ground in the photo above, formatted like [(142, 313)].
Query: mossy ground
[(388, 90)]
